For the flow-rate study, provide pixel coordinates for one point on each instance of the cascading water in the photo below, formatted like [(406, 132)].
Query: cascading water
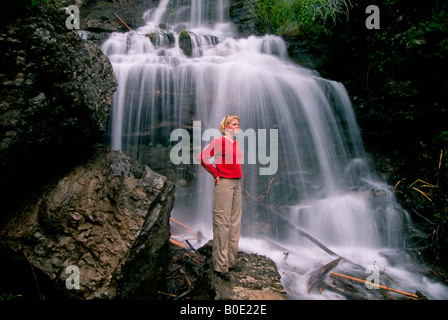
[(186, 65)]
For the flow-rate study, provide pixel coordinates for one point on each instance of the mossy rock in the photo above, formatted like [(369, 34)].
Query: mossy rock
[(185, 43)]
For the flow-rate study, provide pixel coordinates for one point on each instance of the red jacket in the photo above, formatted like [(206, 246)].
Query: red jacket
[(227, 158)]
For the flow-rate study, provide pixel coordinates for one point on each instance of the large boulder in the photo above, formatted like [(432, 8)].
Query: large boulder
[(106, 221), (55, 98)]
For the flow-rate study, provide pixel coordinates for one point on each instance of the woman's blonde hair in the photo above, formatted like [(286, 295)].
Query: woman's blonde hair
[(226, 121)]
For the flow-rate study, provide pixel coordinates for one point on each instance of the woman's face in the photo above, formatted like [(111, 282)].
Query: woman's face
[(234, 126)]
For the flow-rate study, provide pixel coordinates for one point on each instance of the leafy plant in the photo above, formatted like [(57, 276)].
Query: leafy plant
[(9, 296), (432, 30), (441, 140), (38, 2), (280, 15)]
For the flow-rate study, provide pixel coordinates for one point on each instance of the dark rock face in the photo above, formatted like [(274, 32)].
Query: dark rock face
[(242, 18), (55, 98), (99, 16), (109, 218)]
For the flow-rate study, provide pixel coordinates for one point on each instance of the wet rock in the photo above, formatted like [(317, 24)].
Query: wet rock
[(185, 43), (109, 218), (258, 279), (161, 39), (179, 28)]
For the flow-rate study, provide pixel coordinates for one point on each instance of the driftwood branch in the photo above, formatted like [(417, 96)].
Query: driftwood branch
[(177, 243), (348, 294), (124, 23), (194, 249), (182, 295), (180, 224), (337, 275), (303, 233), (317, 277)]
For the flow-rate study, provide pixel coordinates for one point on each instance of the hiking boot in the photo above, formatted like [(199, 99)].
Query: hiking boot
[(223, 275), (235, 269)]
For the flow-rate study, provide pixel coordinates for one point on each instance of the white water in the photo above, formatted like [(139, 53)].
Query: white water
[(323, 184)]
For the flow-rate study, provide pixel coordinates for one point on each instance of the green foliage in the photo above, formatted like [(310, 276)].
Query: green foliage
[(270, 15), (444, 136), (285, 15), (416, 35), (9, 296), (38, 2), (441, 140), (46, 3), (432, 30), (412, 34)]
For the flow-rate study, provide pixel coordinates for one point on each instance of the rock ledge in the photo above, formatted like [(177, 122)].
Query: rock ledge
[(258, 279)]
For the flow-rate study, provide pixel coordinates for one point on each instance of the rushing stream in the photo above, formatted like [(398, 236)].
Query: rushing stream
[(304, 158)]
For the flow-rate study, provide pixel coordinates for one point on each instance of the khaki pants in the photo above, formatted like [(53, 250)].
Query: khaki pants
[(226, 223)]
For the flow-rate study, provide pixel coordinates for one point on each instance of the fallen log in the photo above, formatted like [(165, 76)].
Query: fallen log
[(292, 226), (337, 275), (305, 234), (317, 277), (347, 294), (299, 230)]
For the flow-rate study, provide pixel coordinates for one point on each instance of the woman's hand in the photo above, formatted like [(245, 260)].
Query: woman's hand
[(217, 180)]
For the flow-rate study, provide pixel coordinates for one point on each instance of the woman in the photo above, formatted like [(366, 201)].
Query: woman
[(226, 195)]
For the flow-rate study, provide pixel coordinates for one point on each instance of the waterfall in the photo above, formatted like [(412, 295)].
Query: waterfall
[(188, 64)]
